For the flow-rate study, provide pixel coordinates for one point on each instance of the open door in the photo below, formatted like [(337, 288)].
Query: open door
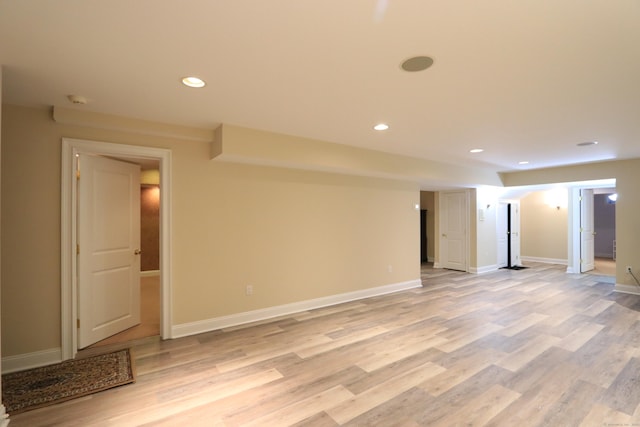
[(502, 228), (508, 234), (108, 248), (587, 233), (514, 233)]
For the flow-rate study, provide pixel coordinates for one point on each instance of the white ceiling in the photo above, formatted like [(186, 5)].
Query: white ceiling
[(525, 80)]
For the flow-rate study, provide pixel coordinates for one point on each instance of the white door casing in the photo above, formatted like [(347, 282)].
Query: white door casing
[(587, 241), (454, 219), (109, 248), (71, 148)]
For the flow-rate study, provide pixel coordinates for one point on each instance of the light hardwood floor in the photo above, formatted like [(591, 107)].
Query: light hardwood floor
[(534, 347)]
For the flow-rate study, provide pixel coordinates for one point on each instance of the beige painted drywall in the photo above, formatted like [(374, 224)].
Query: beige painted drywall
[(484, 247), (1, 229), (543, 228), (293, 235), (252, 146)]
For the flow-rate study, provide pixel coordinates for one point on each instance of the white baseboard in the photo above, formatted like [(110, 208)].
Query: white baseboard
[(208, 325), (21, 362), (4, 417), (545, 260), (627, 289), (483, 269), (149, 273)]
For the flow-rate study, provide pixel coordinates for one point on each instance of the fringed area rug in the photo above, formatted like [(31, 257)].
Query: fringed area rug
[(34, 388)]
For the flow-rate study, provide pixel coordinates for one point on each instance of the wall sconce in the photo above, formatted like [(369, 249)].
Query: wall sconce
[(556, 198)]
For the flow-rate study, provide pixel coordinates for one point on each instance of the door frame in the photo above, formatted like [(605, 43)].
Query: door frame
[(573, 218), (68, 218)]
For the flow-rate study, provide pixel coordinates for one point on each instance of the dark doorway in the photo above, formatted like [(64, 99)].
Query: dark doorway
[(423, 236)]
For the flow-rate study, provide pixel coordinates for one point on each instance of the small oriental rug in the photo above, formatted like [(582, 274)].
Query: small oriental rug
[(47, 385)]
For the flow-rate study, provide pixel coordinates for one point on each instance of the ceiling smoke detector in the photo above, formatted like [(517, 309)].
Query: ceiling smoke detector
[(77, 99)]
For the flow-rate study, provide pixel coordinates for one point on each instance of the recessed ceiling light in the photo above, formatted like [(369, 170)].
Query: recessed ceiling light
[(476, 150), (417, 63), (193, 82), (587, 143), (381, 126), (524, 162)]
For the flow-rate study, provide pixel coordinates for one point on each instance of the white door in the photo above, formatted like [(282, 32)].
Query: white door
[(453, 227), (108, 252), (587, 232), (515, 233), (502, 234)]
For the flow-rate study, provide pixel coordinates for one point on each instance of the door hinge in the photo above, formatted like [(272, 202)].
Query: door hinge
[(77, 249), (78, 323), (78, 174)]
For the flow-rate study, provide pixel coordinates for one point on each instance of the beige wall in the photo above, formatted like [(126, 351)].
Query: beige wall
[(2, 410), (292, 235), (543, 228), (484, 247)]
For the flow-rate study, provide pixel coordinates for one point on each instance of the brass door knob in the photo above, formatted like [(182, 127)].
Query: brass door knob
[(137, 252)]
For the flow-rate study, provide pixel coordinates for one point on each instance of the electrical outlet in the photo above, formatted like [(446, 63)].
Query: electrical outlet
[(628, 269), (249, 290)]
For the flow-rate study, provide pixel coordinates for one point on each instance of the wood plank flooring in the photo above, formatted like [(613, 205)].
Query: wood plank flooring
[(533, 347)]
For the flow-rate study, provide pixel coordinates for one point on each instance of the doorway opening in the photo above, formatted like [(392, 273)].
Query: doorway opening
[(69, 282), (604, 218), (601, 251), (508, 229)]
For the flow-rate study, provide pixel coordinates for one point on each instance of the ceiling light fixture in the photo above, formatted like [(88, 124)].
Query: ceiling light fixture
[(381, 126), (476, 150), (587, 143), (193, 82), (524, 162), (77, 99), (417, 63)]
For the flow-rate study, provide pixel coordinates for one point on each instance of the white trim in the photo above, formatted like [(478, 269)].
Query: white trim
[(71, 147), (544, 260), (484, 269), (4, 417), (208, 325), (20, 362), (149, 273), (627, 289)]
